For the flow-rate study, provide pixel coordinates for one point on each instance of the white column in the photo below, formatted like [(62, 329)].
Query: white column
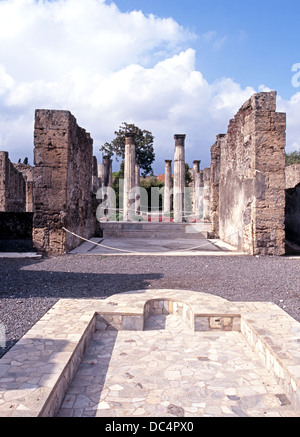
[(168, 187), (179, 177), (137, 188), (129, 177)]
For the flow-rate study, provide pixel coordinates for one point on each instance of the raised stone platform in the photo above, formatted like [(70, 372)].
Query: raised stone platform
[(36, 373)]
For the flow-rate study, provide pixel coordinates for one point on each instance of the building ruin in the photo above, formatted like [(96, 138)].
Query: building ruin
[(63, 189), (248, 168), (248, 194)]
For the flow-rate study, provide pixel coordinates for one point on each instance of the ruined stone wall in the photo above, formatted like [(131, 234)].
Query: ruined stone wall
[(215, 184), (252, 178), (12, 186), (16, 232), (63, 157), (27, 172), (292, 217), (206, 195), (292, 175), (292, 212)]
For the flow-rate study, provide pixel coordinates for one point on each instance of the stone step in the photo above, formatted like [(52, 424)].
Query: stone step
[(155, 230), (156, 235)]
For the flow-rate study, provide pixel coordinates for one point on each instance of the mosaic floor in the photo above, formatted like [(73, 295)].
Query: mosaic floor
[(170, 371)]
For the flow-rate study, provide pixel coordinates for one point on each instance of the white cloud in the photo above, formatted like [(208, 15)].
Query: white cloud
[(107, 67), (291, 108), (6, 81)]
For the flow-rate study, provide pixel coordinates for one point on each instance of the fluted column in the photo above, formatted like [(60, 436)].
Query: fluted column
[(168, 187), (137, 187), (179, 177), (107, 170), (196, 189), (129, 177)]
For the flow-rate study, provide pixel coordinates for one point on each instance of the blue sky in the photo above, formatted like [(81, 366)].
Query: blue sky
[(254, 42), (167, 66)]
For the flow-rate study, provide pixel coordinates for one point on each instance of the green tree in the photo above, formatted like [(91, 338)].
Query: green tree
[(188, 176), (292, 158), (150, 183), (144, 146)]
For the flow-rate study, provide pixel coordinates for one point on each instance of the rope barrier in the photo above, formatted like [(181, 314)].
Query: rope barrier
[(135, 252), (96, 244)]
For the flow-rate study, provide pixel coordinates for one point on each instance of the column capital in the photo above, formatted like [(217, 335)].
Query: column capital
[(179, 136), (168, 161), (130, 134), (107, 159), (130, 138)]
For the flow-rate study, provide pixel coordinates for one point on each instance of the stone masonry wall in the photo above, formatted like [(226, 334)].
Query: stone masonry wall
[(292, 175), (292, 211), (27, 172), (63, 157), (215, 184), (206, 195), (12, 186), (16, 232), (252, 178)]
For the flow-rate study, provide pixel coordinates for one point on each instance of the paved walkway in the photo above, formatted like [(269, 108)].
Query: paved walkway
[(155, 353), (155, 246), (170, 371)]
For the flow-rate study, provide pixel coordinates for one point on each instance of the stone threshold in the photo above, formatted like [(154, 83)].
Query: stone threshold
[(36, 373), (33, 255)]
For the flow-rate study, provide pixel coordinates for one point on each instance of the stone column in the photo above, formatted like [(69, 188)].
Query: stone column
[(105, 177), (215, 182), (101, 173), (107, 170), (137, 187), (110, 173), (179, 178), (95, 180), (29, 196), (206, 195), (129, 177), (168, 187), (196, 189)]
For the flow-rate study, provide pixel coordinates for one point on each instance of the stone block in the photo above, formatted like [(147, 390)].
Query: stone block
[(201, 324), (133, 323), (48, 119), (51, 156)]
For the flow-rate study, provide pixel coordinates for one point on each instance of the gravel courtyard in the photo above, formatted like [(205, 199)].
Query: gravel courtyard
[(30, 287)]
